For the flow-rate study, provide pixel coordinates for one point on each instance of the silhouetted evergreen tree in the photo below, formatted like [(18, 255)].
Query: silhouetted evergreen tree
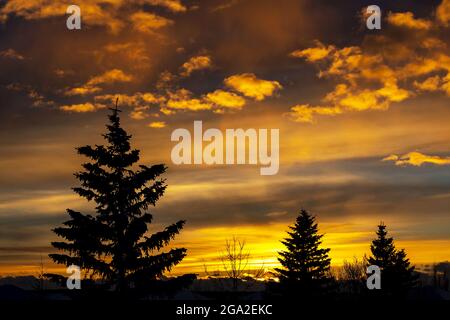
[(114, 243), (305, 264), (397, 275)]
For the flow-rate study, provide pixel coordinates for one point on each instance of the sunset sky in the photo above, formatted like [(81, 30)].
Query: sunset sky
[(363, 118)]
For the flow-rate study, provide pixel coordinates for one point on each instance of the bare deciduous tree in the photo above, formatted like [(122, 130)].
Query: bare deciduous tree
[(236, 266), (355, 271), (235, 260), (353, 275)]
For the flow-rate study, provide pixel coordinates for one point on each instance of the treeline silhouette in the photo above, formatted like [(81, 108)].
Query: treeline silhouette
[(119, 259)]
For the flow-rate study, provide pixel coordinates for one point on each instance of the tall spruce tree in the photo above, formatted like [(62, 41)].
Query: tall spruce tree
[(305, 264), (397, 274), (114, 244)]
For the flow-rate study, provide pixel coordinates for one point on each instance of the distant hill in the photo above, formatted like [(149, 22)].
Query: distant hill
[(26, 282), (11, 292)]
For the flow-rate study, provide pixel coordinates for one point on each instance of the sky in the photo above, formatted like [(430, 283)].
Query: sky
[(362, 115)]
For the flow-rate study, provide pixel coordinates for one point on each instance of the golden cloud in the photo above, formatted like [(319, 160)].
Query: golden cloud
[(195, 63), (81, 108), (418, 67), (226, 99), (433, 43), (165, 79), (317, 53), (11, 54), (82, 91), (39, 100), (392, 157), (392, 93), (172, 5), (136, 100), (94, 12), (111, 76), (250, 86), (135, 52), (138, 114), (365, 100), (182, 100), (166, 111), (148, 22), (429, 84), (188, 104), (446, 84), (443, 13), (157, 124), (407, 20), (32, 9), (369, 78), (417, 159), (141, 102), (306, 113), (345, 98)]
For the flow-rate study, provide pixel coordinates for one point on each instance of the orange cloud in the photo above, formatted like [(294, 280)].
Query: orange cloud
[(39, 100), (111, 76), (195, 63), (419, 66), (82, 91), (317, 53), (81, 108), (11, 54), (157, 124), (446, 84), (407, 20), (306, 113), (135, 52), (369, 78), (136, 100), (443, 13), (138, 115), (94, 12), (364, 100), (346, 98), (182, 100), (250, 86), (429, 84), (172, 5), (166, 111), (226, 99), (140, 102), (188, 104), (417, 159), (392, 93), (148, 22)]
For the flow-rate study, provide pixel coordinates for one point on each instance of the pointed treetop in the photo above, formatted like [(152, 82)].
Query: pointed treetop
[(116, 109), (117, 103)]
